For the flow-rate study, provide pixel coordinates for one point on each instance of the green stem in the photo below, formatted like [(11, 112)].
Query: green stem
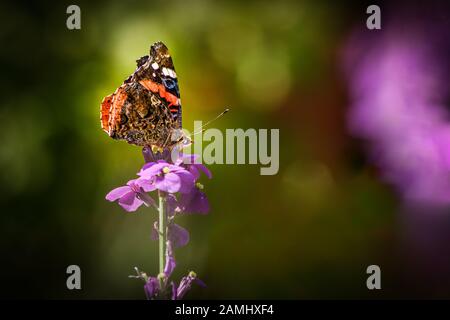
[(162, 230)]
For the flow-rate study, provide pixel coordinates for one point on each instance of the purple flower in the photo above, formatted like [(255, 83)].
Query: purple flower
[(167, 177), (189, 161), (170, 178), (132, 196), (170, 260), (151, 287), (173, 207), (156, 287), (185, 284), (175, 233), (398, 87), (195, 201)]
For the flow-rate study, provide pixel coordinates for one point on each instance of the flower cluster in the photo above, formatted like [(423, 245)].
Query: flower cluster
[(159, 287), (398, 89), (176, 183)]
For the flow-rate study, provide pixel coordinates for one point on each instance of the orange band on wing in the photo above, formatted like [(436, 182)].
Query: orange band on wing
[(104, 112), (120, 96), (161, 90), (110, 111)]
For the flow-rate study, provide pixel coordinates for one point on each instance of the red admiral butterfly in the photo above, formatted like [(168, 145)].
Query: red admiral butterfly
[(145, 110)]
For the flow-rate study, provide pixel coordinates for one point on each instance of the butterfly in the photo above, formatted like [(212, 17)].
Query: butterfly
[(146, 110)]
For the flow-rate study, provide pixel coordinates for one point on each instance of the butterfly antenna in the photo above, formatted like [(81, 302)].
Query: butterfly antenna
[(202, 128)]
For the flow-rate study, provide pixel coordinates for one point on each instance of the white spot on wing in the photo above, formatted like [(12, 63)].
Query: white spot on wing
[(169, 72), (172, 74), (155, 66)]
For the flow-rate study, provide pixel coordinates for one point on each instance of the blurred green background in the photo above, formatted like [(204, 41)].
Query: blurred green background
[(308, 232)]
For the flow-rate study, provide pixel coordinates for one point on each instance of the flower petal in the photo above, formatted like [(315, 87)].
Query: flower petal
[(170, 260), (117, 193), (174, 291), (186, 283), (146, 184), (203, 168), (130, 202), (132, 183), (194, 202), (194, 171), (148, 165), (172, 205), (170, 182), (183, 288), (178, 235), (187, 181), (149, 170), (151, 288)]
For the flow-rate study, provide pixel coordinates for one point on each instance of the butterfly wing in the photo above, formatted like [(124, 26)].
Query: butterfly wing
[(146, 109), (111, 111), (157, 74)]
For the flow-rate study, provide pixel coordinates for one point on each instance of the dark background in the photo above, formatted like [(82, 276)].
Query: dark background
[(308, 232)]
